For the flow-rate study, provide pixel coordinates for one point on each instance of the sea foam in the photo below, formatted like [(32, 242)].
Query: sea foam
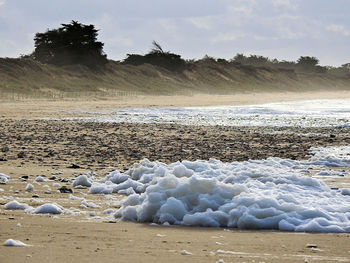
[(256, 194)]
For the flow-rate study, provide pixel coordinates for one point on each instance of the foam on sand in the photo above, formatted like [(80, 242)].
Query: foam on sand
[(14, 243), (14, 205), (82, 180), (48, 209), (256, 194), (4, 178)]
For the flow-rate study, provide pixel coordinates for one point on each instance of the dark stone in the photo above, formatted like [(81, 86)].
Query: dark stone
[(74, 166), (25, 177), (4, 148), (21, 155), (35, 196), (2, 159), (65, 190)]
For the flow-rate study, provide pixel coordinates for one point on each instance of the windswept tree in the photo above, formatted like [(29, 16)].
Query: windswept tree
[(310, 64), (73, 43), (158, 57)]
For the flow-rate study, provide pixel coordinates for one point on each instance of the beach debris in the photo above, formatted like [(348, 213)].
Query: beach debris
[(14, 243)]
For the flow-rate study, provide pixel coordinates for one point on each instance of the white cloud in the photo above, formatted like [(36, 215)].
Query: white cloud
[(284, 3), (245, 7), (201, 22), (227, 37), (2, 2), (338, 29)]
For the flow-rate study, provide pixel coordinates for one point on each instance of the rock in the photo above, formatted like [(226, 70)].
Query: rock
[(35, 196), (74, 166), (5, 149), (21, 154), (311, 245), (65, 190), (24, 177), (2, 159)]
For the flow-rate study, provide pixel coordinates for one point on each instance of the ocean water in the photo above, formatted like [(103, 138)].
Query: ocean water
[(305, 113)]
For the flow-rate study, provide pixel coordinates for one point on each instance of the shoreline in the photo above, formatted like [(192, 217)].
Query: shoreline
[(46, 108)]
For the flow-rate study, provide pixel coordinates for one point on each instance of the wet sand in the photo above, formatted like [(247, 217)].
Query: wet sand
[(31, 147)]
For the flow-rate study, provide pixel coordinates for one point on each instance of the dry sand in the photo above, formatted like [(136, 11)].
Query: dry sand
[(47, 148)]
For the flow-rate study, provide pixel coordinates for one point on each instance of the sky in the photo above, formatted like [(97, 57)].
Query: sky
[(282, 29)]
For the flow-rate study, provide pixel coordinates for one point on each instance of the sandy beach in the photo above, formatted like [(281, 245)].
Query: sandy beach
[(60, 150)]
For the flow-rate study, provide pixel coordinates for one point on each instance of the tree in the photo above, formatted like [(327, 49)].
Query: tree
[(72, 43), (310, 64), (308, 61), (158, 57), (346, 66)]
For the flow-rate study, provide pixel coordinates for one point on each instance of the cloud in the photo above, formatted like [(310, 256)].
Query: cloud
[(338, 29), (284, 3), (205, 23), (2, 2), (227, 37)]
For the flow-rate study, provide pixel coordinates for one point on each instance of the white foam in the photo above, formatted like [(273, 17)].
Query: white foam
[(260, 194), (305, 113), (82, 180), (48, 209), (331, 156), (4, 178), (39, 179), (14, 205), (14, 243), (29, 188)]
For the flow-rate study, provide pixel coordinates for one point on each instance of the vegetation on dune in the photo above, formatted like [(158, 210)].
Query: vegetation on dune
[(158, 57)]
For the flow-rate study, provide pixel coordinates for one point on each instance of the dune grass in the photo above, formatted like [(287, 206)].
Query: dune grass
[(25, 78)]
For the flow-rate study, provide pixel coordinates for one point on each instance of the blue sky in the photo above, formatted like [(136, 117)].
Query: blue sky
[(283, 29)]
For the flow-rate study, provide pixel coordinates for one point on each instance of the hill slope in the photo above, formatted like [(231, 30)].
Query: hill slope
[(21, 78)]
